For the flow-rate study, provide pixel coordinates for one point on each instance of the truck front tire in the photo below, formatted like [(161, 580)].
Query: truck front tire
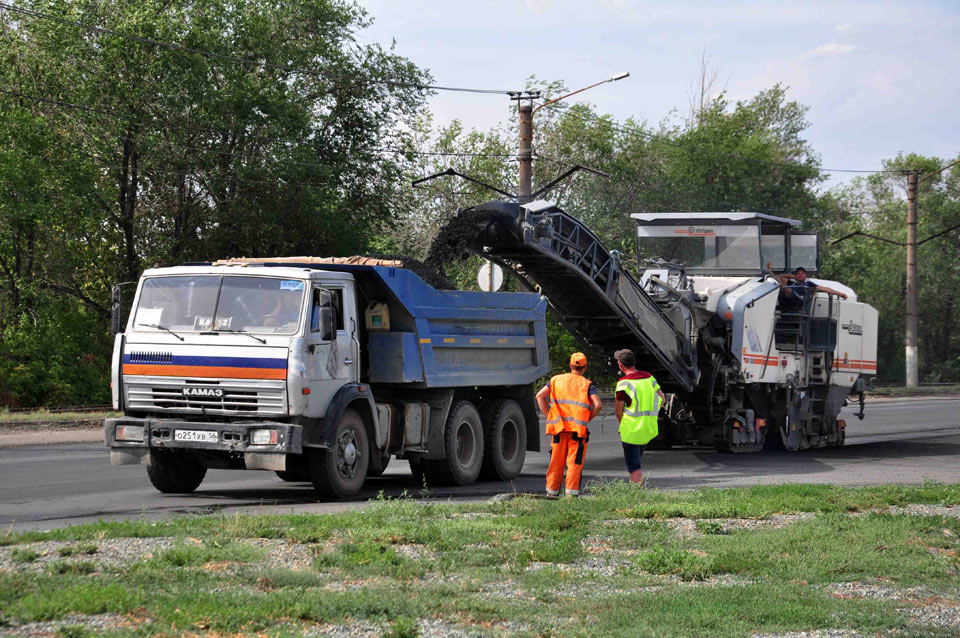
[(462, 446), (505, 440), (174, 472), (341, 470)]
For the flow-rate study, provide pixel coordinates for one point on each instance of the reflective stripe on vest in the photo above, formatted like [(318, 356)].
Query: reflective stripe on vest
[(569, 404), (638, 425)]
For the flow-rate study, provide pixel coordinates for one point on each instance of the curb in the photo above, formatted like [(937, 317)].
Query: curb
[(50, 437)]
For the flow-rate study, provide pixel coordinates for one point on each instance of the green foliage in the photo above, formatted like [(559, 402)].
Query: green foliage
[(179, 156), (877, 270)]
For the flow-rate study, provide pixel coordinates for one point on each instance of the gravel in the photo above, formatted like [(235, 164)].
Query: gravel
[(120, 552), (99, 622), (924, 606)]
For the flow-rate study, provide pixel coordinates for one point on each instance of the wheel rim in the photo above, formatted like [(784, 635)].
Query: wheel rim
[(509, 440), (466, 444), (348, 454)]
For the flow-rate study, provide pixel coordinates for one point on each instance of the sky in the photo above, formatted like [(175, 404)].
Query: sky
[(879, 78)]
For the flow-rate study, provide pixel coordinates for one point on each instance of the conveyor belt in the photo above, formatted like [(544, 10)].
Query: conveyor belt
[(601, 304)]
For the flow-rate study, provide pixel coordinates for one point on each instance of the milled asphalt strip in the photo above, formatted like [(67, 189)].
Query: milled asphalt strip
[(863, 439)]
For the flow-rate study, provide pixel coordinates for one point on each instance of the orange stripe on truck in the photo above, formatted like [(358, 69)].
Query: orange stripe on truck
[(204, 371)]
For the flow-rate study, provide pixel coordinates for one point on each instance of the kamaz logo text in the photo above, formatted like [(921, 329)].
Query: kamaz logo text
[(203, 392), (853, 328)]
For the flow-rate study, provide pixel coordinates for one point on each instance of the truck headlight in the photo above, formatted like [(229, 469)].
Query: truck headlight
[(129, 433), (263, 437)]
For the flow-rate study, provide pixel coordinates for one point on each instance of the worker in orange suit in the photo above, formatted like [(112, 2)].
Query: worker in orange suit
[(569, 401)]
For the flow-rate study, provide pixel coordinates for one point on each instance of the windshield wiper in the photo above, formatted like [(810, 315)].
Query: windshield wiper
[(241, 332), (159, 327)]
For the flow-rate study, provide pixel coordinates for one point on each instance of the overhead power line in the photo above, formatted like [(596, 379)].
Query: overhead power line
[(173, 46), (167, 124)]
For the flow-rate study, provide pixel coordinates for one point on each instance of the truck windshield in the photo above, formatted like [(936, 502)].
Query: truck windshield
[(266, 305), (720, 247)]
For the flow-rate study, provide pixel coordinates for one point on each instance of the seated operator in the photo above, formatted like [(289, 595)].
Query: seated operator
[(793, 296)]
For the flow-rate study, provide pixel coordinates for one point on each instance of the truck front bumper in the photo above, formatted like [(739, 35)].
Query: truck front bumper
[(130, 440)]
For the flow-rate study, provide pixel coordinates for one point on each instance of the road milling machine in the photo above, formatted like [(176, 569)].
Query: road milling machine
[(742, 370)]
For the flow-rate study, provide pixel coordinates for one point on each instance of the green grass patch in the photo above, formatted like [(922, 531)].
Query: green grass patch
[(674, 561), (78, 550), (45, 416), (762, 500), (522, 562), (72, 567), (736, 611), (194, 552), (24, 555)]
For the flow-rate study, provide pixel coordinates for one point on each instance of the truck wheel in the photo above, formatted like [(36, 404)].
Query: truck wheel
[(341, 470), (463, 448), (504, 440), (174, 472)]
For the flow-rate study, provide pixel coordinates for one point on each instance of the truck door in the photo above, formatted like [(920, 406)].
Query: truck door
[(332, 360)]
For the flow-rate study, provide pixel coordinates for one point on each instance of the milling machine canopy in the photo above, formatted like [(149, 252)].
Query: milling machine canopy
[(725, 243)]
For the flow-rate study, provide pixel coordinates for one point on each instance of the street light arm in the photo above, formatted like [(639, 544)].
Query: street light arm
[(619, 76)]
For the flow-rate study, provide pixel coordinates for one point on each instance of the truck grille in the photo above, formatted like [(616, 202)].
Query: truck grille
[(237, 396)]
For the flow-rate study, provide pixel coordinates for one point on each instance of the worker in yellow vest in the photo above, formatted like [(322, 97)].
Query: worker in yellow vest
[(569, 401), (638, 402)]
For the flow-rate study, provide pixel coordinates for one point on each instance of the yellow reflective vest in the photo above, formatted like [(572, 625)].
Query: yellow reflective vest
[(639, 422)]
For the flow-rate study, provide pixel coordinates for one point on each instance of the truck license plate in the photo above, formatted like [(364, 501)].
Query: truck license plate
[(204, 436)]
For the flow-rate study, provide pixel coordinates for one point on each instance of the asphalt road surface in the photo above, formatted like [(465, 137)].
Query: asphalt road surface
[(903, 441)]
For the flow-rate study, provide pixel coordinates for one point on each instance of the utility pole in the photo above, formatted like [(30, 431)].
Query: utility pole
[(525, 154), (525, 151), (911, 337)]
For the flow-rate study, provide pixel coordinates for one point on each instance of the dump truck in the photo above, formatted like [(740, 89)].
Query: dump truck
[(323, 370), (703, 314)]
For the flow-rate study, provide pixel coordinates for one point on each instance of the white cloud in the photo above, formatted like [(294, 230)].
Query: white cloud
[(833, 48), (537, 6), (842, 27)]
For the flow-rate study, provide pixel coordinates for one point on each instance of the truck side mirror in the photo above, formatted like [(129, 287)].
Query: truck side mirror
[(322, 319), (115, 318), (326, 323)]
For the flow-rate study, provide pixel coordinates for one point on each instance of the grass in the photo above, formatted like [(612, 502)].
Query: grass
[(45, 417), (611, 565)]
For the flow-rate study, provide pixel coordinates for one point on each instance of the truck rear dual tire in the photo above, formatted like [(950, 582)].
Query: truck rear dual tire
[(340, 471), (505, 440), (174, 472), (463, 440)]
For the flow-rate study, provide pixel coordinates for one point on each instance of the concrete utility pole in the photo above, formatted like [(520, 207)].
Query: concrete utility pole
[(525, 154), (911, 337), (525, 151)]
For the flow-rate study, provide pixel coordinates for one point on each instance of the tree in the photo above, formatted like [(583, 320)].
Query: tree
[(262, 128), (876, 269)]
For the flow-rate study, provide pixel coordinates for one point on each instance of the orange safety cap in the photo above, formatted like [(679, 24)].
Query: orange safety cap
[(578, 360)]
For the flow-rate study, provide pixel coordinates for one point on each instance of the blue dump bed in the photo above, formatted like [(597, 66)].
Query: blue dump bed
[(450, 338)]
